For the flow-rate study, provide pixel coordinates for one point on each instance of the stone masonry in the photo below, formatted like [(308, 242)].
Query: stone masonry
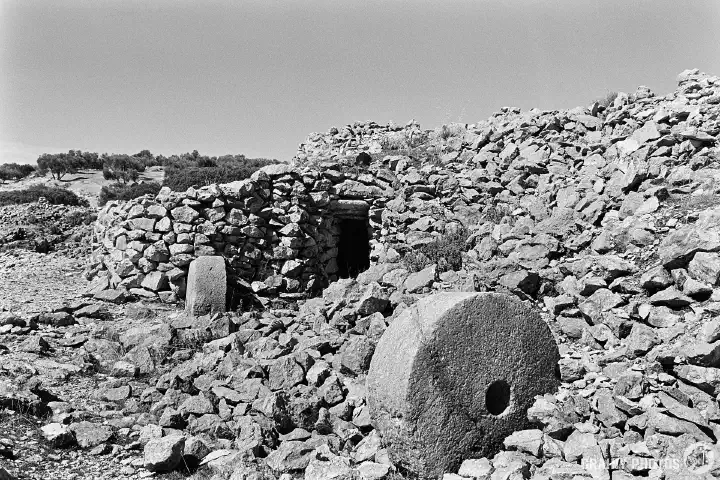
[(278, 230)]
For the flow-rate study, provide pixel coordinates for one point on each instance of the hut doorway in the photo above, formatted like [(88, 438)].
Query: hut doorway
[(353, 247)]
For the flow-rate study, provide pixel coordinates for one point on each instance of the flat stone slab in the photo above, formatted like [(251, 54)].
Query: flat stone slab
[(454, 375), (206, 286)]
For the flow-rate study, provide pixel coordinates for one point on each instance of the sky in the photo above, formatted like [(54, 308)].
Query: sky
[(256, 77)]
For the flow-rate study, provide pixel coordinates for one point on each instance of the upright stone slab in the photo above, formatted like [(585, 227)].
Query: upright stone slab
[(206, 286), (454, 375)]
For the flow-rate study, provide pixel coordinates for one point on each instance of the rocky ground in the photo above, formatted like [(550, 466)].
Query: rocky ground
[(607, 220), (42, 227)]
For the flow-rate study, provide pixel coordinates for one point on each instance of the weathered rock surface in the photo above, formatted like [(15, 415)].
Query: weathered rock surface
[(603, 219), (164, 454), (206, 287), (454, 375)]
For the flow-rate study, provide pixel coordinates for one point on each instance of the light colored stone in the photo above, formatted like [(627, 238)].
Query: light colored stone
[(164, 454), (705, 267), (57, 434), (206, 286), (479, 468)]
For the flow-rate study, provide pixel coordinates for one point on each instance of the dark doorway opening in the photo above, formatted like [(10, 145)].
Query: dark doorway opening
[(353, 248)]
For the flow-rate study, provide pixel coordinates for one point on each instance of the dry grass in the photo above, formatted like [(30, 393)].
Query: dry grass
[(448, 131), (497, 213), (607, 100), (709, 197), (403, 140)]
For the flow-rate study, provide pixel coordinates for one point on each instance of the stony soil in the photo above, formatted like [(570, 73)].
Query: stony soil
[(34, 282), (42, 227)]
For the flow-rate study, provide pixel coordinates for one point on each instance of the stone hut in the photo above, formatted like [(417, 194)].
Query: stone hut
[(285, 231)]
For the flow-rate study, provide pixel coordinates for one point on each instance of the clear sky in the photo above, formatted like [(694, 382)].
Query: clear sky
[(256, 77)]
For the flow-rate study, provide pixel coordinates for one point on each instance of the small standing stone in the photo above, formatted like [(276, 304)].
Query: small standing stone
[(206, 286)]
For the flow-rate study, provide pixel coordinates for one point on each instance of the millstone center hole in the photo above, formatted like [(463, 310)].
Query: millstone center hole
[(497, 397)]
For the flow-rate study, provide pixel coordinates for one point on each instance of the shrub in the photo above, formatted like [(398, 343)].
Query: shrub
[(54, 195), (394, 141), (80, 217), (496, 213), (607, 100), (15, 171), (445, 252), (183, 173), (448, 131), (119, 191)]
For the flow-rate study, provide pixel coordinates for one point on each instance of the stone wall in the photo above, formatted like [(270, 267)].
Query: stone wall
[(349, 140), (529, 187), (278, 230)]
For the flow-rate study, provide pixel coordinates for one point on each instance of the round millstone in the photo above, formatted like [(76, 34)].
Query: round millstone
[(454, 375)]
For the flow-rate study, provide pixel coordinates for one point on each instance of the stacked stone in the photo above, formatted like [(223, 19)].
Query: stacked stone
[(605, 217), (350, 140), (529, 186), (277, 231)]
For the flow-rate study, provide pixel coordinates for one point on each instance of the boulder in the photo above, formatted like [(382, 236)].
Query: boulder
[(154, 281), (185, 214), (424, 278), (164, 454), (35, 344), (454, 375), (679, 247), (58, 435), (89, 435), (206, 286), (705, 267), (529, 441)]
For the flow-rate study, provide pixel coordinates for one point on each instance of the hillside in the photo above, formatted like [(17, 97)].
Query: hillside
[(604, 221), (85, 183)]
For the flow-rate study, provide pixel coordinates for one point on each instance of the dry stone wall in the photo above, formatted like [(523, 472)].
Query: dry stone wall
[(606, 218), (531, 188), (278, 230)]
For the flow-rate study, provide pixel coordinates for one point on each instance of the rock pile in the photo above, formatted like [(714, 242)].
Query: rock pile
[(605, 218), (43, 227), (351, 140), (531, 187)]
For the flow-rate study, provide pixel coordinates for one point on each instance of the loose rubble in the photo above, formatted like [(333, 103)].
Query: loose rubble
[(43, 227), (605, 219)]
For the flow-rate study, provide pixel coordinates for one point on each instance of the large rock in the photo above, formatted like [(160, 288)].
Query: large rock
[(57, 434), (679, 246), (705, 267), (164, 454), (454, 375), (206, 286), (4, 475), (89, 435)]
